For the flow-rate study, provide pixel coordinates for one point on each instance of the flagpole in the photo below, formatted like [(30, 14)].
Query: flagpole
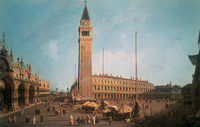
[(136, 96), (102, 69), (75, 85), (199, 40), (136, 114), (103, 62)]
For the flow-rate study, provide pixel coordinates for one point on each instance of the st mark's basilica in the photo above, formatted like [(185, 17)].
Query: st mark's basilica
[(18, 85)]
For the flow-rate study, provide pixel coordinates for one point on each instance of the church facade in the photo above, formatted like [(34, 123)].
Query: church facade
[(18, 86), (101, 86)]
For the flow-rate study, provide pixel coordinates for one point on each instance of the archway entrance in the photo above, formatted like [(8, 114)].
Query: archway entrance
[(2, 87), (1, 99), (31, 94), (21, 95), (5, 94)]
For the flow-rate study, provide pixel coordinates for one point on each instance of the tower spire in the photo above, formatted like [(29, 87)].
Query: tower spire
[(11, 52), (3, 36), (4, 43), (11, 55), (30, 67), (22, 61), (38, 71), (85, 15)]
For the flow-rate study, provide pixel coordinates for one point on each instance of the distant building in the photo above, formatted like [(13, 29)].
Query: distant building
[(18, 86), (187, 94), (169, 91), (44, 88), (63, 94), (102, 86)]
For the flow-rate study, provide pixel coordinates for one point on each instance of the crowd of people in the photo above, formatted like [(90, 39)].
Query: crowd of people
[(76, 116), (94, 119)]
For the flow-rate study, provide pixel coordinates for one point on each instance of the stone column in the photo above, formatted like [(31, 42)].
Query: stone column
[(15, 98), (35, 95), (26, 96), (103, 97)]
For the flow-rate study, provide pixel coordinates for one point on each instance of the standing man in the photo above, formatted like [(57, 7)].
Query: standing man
[(110, 120)]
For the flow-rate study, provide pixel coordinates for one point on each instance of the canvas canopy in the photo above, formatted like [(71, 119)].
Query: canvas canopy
[(124, 109), (90, 104)]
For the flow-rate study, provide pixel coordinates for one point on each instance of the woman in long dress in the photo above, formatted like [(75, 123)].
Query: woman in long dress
[(93, 119), (71, 120)]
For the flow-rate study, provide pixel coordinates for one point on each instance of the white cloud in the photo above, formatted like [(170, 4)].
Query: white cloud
[(123, 63), (60, 26), (157, 68), (115, 63), (123, 36), (35, 1), (131, 15), (149, 35), (51, 49), (117, 19)]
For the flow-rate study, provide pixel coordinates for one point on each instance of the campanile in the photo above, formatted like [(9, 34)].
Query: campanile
[(85, 55)]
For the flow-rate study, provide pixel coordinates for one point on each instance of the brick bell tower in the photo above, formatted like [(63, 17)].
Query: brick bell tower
[(85, 55)]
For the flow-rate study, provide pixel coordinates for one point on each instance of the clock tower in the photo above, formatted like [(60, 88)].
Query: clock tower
[(85, 55)]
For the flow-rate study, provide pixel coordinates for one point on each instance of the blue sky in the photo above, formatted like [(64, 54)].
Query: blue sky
[(45, 33)]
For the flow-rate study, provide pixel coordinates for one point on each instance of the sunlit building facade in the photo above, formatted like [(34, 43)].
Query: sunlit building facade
[(111, 87)]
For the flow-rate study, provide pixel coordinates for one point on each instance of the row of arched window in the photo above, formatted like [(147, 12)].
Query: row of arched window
[(106, 81), (117, 88)]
